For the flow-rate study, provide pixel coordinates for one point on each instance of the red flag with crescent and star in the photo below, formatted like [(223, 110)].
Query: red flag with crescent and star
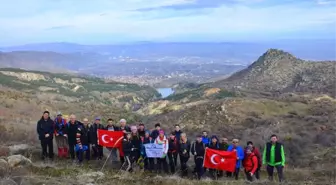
[(220, 160), (110, 138)]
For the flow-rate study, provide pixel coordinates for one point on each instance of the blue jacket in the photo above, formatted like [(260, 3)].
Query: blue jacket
[(206, 140), (240, 154)]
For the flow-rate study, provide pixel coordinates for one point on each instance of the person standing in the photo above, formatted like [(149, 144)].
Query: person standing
[(123, 127), (162, 162), (198, 150), (214, 144), (83, 141), (149, 162), (155, 132), (45, 130), (205, 138), (274, 157), (223, 145), (112, 127), (97, 149), (60, 136), (173, 152), (127, 148), (240, 156), (178, 133), (258, 155), (184, 152), (71, 131), (141, 130), (136, 141), (250, 164)]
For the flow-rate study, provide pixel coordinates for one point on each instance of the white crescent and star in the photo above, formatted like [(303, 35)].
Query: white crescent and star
[(212, 159), (104, 140)]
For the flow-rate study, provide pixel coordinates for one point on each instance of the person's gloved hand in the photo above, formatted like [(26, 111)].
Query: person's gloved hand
[(132, 149)]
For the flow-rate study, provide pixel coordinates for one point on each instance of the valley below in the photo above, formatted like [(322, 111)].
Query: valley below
[(277, 94)]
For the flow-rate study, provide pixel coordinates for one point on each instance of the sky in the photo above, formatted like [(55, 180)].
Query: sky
[(115, 21)]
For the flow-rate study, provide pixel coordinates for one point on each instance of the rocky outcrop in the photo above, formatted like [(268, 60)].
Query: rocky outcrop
[(18, 160), (26, 76)]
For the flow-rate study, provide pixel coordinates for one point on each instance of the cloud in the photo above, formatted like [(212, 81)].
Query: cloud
[(71, 20)]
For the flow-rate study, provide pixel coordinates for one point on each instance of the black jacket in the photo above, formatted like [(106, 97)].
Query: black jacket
[(142, 133), (173, 146), (127, 147), (136, 142), (198, 149), (71, 131), (184, 147), (214, 146), (45, 127), (93, 133), (83, 135), (155, 134)]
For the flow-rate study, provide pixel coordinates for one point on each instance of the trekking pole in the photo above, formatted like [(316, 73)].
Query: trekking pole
[(108, 157)]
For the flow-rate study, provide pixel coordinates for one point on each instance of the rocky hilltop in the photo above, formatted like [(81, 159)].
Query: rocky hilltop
[(279, 71)]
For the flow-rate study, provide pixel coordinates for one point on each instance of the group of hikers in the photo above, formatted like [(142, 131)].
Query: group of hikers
[(77, 138)]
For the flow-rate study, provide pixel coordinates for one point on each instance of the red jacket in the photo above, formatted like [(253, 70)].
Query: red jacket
[(250, 163), (257, 153)]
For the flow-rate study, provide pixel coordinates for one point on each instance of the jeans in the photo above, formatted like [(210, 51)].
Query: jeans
[(270, 170), (172, 158), (47, 148)]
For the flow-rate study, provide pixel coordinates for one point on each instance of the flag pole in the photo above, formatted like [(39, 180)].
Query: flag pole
[(106, 160), (110, 153)]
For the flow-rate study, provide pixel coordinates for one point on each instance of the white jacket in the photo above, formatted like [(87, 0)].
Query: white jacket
[(164, 142)]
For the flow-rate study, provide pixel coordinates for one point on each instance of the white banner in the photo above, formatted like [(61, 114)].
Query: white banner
[(154, 150)]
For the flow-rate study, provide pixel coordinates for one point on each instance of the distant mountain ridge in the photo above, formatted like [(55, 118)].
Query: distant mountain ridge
[(277, 70)]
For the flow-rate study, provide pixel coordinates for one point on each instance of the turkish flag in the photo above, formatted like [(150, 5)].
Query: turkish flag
[(110, 138), (220, 160)]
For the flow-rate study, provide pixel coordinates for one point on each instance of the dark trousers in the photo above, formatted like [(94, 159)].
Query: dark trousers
[(161, 163), (199, 166), (257, 173), (249, 177), (47, 148), (235, 174), (172, 158), (184, 167), (81, 153), (270, 170), (72, 150), (149, 164), (135, 155), (97, 152)]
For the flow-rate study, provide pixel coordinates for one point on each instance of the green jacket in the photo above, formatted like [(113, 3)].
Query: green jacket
[(272, 158)]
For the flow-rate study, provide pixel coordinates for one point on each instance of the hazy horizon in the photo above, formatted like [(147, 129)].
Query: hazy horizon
[(104, 22)]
